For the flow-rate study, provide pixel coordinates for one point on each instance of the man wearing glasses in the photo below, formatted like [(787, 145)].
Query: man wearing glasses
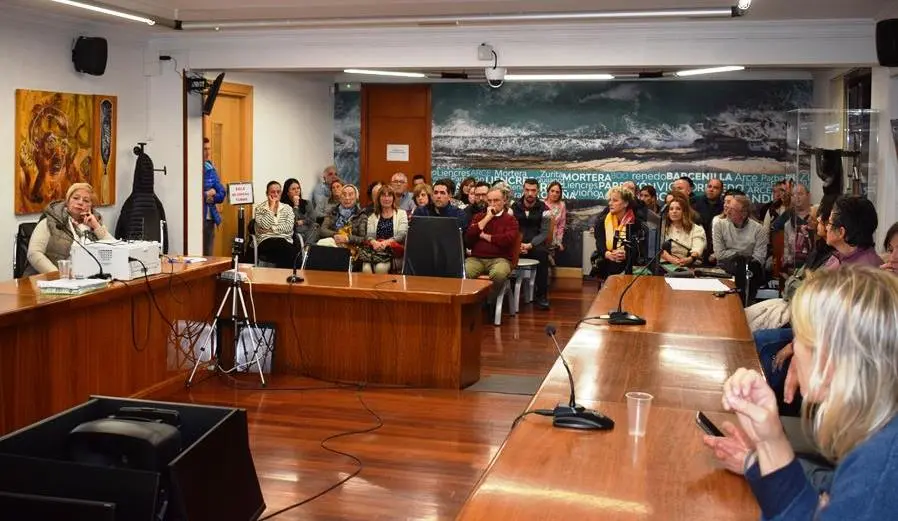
[(741, 242), (404, 198), (492, 236)]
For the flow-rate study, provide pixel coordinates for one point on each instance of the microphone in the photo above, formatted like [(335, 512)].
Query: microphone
[(573, 416), (293, 279), (625, 318), (62, 226)]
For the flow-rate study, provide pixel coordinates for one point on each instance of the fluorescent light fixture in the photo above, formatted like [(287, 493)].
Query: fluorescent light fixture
[(743, 5), (710, 70), (395, 74), (557, 77), (731, 11), (106, 10)]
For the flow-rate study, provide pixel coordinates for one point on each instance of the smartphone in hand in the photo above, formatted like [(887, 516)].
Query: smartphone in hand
[(705, 424)]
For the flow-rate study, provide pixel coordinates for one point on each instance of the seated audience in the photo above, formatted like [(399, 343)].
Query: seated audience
[(740, 243), (685, 185), (707, 206), (477, 198), (649, 197), (345, 225), (304, 218), (558, 214), (845, 348), (769, 212), (372, 189), (322, 193), (423, 194), (850, 230), (534, 227), (274, 228), (405, 199), (386, 230), (687, 239), (492, 236), (334, 198), (611, 231), (794, 223), (441, 206), (891, 248), (60, 223), (464, 191), (418, 179)]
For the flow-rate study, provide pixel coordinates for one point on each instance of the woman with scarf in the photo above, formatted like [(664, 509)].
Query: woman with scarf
[(345, 225), (611, 232)]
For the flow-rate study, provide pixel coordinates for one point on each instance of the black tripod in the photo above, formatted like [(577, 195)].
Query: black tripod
[(235, 292)]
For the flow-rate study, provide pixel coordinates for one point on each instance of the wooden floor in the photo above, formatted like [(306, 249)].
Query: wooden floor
[(431, 449)]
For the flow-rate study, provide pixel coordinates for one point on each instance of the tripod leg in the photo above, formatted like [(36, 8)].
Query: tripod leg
[(213, 354), (251, 326)]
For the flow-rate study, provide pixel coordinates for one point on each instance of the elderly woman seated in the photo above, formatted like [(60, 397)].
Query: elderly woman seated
[(60, 223), (344, 225)]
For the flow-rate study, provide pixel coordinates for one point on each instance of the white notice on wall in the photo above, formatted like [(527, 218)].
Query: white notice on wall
[(240, 193), (397, 153)]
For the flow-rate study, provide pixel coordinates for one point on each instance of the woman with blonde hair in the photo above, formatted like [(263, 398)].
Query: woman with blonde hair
[(611, 232), (386, 230), (846, 363), (60, 223)]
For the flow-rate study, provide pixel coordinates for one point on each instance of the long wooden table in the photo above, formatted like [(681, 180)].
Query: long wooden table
[(681, 356), (55, 351), (386, 329)]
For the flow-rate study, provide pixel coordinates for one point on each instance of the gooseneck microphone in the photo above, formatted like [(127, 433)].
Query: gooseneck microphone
[(294, 278), (64, 227), (573, 416), (625, 318)]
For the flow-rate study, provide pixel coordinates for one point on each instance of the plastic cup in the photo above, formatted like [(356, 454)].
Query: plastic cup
[(65, 268), (638, 407)]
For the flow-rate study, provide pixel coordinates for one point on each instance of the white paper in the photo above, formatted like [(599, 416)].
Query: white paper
[(397, 153), (677, 284), (240, 193)]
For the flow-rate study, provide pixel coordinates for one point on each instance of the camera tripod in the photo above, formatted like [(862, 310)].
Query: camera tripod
[(235, 292)]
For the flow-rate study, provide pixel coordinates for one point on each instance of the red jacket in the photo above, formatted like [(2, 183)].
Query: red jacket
[(504, 232)]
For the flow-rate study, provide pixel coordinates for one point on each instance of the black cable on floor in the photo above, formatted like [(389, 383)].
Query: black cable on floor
[(359, 464)]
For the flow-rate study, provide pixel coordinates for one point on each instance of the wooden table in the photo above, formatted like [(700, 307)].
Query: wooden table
[(546, 473), (55, 351), (386, 329), (672, 312)]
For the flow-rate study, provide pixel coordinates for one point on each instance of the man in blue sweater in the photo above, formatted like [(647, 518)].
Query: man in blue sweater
[(213, 194), (441, 206)]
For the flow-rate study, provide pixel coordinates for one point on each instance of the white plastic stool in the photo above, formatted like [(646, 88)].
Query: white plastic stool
[(526, 271)]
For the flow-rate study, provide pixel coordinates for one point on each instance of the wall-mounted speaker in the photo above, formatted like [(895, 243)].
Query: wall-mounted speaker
[(89, 55), (887, 42)]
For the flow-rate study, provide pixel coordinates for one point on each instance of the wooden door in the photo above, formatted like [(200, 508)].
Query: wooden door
[(230, 130), (394, 115)]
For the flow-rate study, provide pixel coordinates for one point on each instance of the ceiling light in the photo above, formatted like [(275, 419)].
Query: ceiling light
[(386, 73), (105, 10), (472, 19), (743, 5), (557, 77), (710, 70)]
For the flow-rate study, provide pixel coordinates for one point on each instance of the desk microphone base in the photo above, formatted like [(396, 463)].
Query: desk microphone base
[(623, 318)]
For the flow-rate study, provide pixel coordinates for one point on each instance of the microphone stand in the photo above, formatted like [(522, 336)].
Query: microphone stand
[(571, 415), (625, 318), (294, 278)]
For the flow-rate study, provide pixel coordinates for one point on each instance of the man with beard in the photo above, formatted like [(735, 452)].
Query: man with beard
[(707, 206), (477, 198), (440, 206), (529, 210)]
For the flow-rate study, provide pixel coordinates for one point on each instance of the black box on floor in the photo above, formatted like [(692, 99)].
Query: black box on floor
[(213, 477)]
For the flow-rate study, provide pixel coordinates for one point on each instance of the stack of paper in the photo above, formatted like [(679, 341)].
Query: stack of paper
[(70, 286), (696, 284)]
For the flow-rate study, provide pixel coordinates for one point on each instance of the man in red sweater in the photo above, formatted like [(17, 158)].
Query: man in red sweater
[(492, 236)]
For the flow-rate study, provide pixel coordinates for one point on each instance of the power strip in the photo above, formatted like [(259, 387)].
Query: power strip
[(229, 275)]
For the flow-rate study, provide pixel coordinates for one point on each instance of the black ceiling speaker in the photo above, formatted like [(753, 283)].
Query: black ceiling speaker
[(887, 42), (89, 55), (212, 94)]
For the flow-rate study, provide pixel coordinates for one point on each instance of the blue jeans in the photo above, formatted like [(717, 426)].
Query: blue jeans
[(768, 343)]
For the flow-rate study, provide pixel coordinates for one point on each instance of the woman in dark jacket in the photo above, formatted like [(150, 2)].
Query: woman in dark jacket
[(611, 227), (304, 226)]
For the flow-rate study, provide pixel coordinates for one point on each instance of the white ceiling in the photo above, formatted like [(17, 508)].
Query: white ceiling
[(210, 10)]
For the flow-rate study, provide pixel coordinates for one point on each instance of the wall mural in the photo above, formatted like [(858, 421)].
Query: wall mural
[(591, 136), (62, 139), (347, 134)]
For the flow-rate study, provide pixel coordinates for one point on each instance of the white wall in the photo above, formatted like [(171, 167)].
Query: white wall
[(884, 97), (293, 135), (38, 56)]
